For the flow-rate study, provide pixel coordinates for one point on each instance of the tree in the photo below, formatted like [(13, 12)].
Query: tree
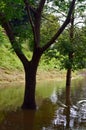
[(73, 47), (28, 14)]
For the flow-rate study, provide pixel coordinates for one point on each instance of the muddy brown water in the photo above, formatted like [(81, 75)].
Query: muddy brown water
[(50, 97)]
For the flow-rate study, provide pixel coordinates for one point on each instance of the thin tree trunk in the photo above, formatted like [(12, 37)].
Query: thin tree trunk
[(69, 70), (68, 97), (68, 117), (68, 87)]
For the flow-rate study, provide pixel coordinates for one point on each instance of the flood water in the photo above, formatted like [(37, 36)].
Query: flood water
[(50, 114)]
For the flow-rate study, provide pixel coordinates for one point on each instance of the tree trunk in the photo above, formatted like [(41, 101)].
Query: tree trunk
[(30, 82), (68, 117), (69, 70), (68, 87)]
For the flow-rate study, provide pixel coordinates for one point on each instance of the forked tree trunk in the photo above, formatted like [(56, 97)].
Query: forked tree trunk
[(30, 82)]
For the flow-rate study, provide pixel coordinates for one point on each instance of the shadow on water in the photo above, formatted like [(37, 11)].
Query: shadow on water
[(19, 120), (52, 113), (30, 120)]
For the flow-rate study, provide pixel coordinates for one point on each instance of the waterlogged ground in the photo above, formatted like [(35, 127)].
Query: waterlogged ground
[(50, 114)]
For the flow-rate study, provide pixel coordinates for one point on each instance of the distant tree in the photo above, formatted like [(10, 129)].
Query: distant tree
[(72, 45), (28, 16)]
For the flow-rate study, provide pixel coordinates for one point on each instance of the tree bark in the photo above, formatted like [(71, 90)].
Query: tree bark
[(69, 70), (68, 87), (30, 82), (68, 117)]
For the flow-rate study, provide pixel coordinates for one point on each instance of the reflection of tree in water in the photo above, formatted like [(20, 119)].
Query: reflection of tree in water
[(45, 114), (31, 120), (18, 120), (78, 91), (72, 116)]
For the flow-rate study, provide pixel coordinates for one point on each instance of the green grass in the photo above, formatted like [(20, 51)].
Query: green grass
[(8, 59)]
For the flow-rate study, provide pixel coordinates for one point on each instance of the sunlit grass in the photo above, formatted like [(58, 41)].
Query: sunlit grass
[(8, 59)]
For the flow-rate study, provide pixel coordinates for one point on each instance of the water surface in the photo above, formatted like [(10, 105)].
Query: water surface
[(50, 114)]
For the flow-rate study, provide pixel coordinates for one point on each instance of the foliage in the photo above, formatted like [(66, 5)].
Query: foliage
[(49, 27), (9, 60), (60, 9), (12, 9), (80, 51), (64, 44), (77, 47), (18, 19), (50, 60)]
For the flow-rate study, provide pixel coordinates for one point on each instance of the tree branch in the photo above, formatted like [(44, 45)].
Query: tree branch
[(41, 5), (37, 23), (80, 22), (59, 11), (29, 14), (61, 28), (33, 23), (7, 27)]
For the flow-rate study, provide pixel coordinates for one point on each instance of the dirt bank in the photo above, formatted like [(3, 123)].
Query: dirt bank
[(8, 76), (17, 76)]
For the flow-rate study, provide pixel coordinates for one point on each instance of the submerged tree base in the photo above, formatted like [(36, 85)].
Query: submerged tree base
[(28, 107)]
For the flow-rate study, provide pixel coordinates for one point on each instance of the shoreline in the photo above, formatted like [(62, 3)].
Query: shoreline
[(8, 77), (15, 76)]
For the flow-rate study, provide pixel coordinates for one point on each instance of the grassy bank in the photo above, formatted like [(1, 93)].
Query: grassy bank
[(11, 69), (9, 76)]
